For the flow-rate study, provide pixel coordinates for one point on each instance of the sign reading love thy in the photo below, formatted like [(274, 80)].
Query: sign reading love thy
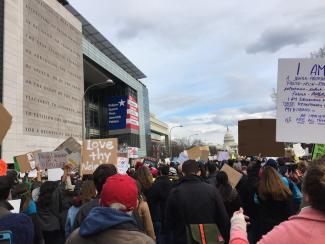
[(96, 152)]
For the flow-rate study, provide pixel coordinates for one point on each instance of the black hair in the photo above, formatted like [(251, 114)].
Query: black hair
[(45, 196), (212, 167), (4, 187), (190, 167), (163, 169), (222, 178), (101, 174), (222, 183)]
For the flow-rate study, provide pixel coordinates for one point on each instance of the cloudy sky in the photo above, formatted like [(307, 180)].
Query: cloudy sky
[(209, 63)]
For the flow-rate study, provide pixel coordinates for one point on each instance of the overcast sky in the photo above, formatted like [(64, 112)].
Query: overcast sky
[(209, 63)]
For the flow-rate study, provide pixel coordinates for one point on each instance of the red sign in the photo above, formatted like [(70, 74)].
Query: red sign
[(132, 114)]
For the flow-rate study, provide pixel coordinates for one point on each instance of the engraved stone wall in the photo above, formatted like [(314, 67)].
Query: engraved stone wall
[(53, 73)]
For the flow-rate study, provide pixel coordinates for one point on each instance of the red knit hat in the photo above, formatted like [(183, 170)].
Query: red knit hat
[(120, 189)]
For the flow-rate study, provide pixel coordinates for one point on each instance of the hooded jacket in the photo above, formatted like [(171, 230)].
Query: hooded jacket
[(106, 225), (20, 224)]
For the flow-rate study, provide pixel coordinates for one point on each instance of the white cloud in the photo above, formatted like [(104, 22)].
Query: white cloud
[(209, 63)]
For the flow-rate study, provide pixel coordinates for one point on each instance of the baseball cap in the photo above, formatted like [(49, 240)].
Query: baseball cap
[(120, 189)]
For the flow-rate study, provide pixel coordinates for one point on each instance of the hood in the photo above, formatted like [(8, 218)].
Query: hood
[(103, 218)]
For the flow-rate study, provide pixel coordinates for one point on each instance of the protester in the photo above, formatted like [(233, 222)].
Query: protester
[(274, 201), (229, 194), (144, 182), (100, 175), (143, 217), (112, 221), (194, 202), (87, 193), (160, 191), (212, 169), (247, 190), (306, 227), (20, 224)]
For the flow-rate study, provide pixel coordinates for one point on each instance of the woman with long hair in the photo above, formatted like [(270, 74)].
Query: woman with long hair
[(306, 227), (87, 193), (229, 194), (274, 199), (144, 183)]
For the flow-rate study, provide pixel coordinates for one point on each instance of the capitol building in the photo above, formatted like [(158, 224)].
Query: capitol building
[(229, 142)]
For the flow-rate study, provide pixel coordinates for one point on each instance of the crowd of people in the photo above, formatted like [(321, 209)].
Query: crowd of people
[(275, 201)]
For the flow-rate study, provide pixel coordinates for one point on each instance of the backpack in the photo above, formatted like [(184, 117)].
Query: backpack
[(203, 234)]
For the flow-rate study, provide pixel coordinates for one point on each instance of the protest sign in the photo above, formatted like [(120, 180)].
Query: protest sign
[(51, 160), (54, 174), (70, 145), (233, 175), (198, 153), (23, 163), (150, 161), (74, 159), (133, 152), (5, 122), (318, 151), (257, 137), (298, 150), (300, 101), (16, 205), (222, 155), (182, 157), (96, 152), (122, 165)]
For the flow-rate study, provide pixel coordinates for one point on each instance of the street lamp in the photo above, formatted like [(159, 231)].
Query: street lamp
[(108, 82), (189, 138), (170, 139)]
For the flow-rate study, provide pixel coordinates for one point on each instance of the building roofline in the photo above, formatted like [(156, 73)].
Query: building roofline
[(104, 45)]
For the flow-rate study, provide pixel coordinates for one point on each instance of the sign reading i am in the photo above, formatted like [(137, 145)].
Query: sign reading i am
[(301, 101), (96, 152)]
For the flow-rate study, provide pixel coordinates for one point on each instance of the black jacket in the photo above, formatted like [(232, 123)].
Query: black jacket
[(159, 193), (195, 202), (84, 211)]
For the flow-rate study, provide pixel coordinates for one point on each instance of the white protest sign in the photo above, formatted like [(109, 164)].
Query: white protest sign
[(223, 155), (97, 152), (16, 205), (122, 165), (298, 150), (51, 160), (54, 174), (301, 101), (182, 157)]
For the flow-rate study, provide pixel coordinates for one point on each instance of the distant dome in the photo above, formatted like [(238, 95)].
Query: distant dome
[(228, 139)]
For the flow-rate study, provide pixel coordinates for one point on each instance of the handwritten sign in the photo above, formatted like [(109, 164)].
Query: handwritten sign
[(51, 160), (233, 175), (97, 152), (23, 163), (5, 122), (198, 153), (122, 165), (318, 151), (301, 101)]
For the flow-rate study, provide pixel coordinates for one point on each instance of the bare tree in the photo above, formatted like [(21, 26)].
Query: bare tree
[(318, 54)]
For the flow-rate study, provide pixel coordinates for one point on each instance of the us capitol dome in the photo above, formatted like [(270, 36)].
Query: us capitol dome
[(229, 141)]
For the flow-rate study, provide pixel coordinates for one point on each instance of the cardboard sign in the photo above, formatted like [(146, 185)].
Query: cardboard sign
[(5, 122), (199, 153), (122, 165), (300, 101), (51, 160), (318, 151), (23, 163), (97, 152), (257, 136), (233, 175), (54, 174), (70, 146), (223, 155)]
